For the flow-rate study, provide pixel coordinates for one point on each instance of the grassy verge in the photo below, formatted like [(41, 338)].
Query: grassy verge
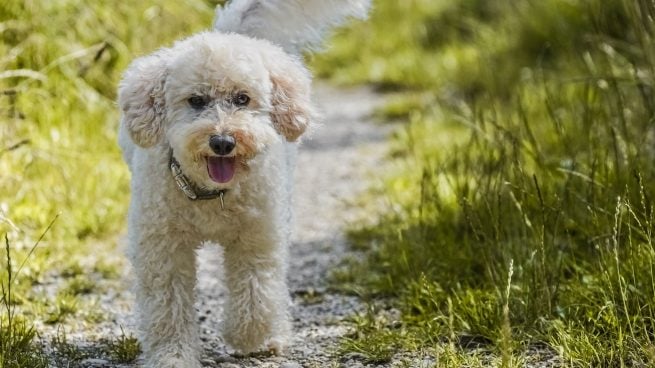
[(522, 216), (60, 62)]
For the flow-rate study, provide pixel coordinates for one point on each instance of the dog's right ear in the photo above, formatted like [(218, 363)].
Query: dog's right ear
[(141, 98)]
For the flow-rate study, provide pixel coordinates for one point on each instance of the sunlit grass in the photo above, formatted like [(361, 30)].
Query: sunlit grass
[(60, 63), (521, 217), (59, 153), (17, 348)]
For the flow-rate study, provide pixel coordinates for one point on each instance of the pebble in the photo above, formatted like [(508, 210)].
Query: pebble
[(353, 364), (226, 359), (207, 362), (229, 365), (290, 365), (255, 361), (94, 362), (354, 357), (277, 359)]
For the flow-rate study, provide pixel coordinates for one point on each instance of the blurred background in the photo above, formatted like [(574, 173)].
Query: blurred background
[(520, 189)]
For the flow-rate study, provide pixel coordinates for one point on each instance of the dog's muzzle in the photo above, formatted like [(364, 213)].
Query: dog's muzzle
[(221, 168)]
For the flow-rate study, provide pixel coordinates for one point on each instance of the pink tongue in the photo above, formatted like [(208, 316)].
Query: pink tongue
[(221, 169)]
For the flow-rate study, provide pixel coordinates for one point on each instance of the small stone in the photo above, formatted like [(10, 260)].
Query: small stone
[(354, 357), (226, 359), (229, 365), (94, 362), (277, 359), (290, 365), (207, 362)]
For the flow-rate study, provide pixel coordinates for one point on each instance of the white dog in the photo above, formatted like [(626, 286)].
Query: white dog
[(208, 130)]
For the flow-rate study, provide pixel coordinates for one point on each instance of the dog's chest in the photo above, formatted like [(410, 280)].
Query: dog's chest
[(208, 218), (213, 221)]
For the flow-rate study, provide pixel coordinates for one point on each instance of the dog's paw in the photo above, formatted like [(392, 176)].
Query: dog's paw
[(172, 363), (257, 338), (277, 346), (173, 359), (243, 340)]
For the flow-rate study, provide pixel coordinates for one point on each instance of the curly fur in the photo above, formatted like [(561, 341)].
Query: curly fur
[(165, 227)]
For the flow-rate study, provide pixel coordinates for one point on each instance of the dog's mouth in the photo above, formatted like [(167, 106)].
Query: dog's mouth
[(221, 169)]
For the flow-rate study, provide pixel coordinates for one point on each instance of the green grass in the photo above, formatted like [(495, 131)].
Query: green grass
[(17, 347), (124, 349), (60, 63), (528, 146)]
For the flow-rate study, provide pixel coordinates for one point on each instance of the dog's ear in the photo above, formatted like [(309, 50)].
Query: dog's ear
[(141, 99), (292, 109)]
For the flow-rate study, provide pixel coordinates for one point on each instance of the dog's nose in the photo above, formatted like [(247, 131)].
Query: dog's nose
[(222, 144)]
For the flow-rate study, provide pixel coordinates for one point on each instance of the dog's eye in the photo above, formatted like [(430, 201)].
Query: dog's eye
[(241, 99), (198, 102)]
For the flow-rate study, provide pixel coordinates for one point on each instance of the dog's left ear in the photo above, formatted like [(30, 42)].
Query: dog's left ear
[(292, 109)]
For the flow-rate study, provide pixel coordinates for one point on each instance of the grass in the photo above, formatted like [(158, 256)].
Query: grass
[(16, 335), (60, 63), (59, 120), (124, 349), (521, 205)]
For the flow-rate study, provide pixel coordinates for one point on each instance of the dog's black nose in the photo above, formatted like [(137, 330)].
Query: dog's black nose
[(222, 144)]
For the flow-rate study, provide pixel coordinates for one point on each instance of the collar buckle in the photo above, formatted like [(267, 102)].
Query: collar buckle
[(191, 191)]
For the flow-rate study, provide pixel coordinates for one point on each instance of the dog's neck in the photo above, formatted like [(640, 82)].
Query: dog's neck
[(189, 189)]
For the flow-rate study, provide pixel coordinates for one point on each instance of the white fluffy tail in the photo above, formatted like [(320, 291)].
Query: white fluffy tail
[(295, 25)]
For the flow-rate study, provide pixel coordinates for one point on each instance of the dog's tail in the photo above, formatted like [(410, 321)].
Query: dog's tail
[(295, 25)]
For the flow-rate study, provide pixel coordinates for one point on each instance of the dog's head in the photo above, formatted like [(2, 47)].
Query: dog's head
[(218, 100)]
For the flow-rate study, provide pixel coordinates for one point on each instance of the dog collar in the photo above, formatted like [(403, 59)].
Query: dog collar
[(190, 190)]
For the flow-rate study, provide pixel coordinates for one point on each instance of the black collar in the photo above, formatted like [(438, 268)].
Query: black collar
[(189, 189)]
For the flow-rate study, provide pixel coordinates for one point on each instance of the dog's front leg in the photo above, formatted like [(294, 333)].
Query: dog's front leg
[(165, 269), (256, 311)]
